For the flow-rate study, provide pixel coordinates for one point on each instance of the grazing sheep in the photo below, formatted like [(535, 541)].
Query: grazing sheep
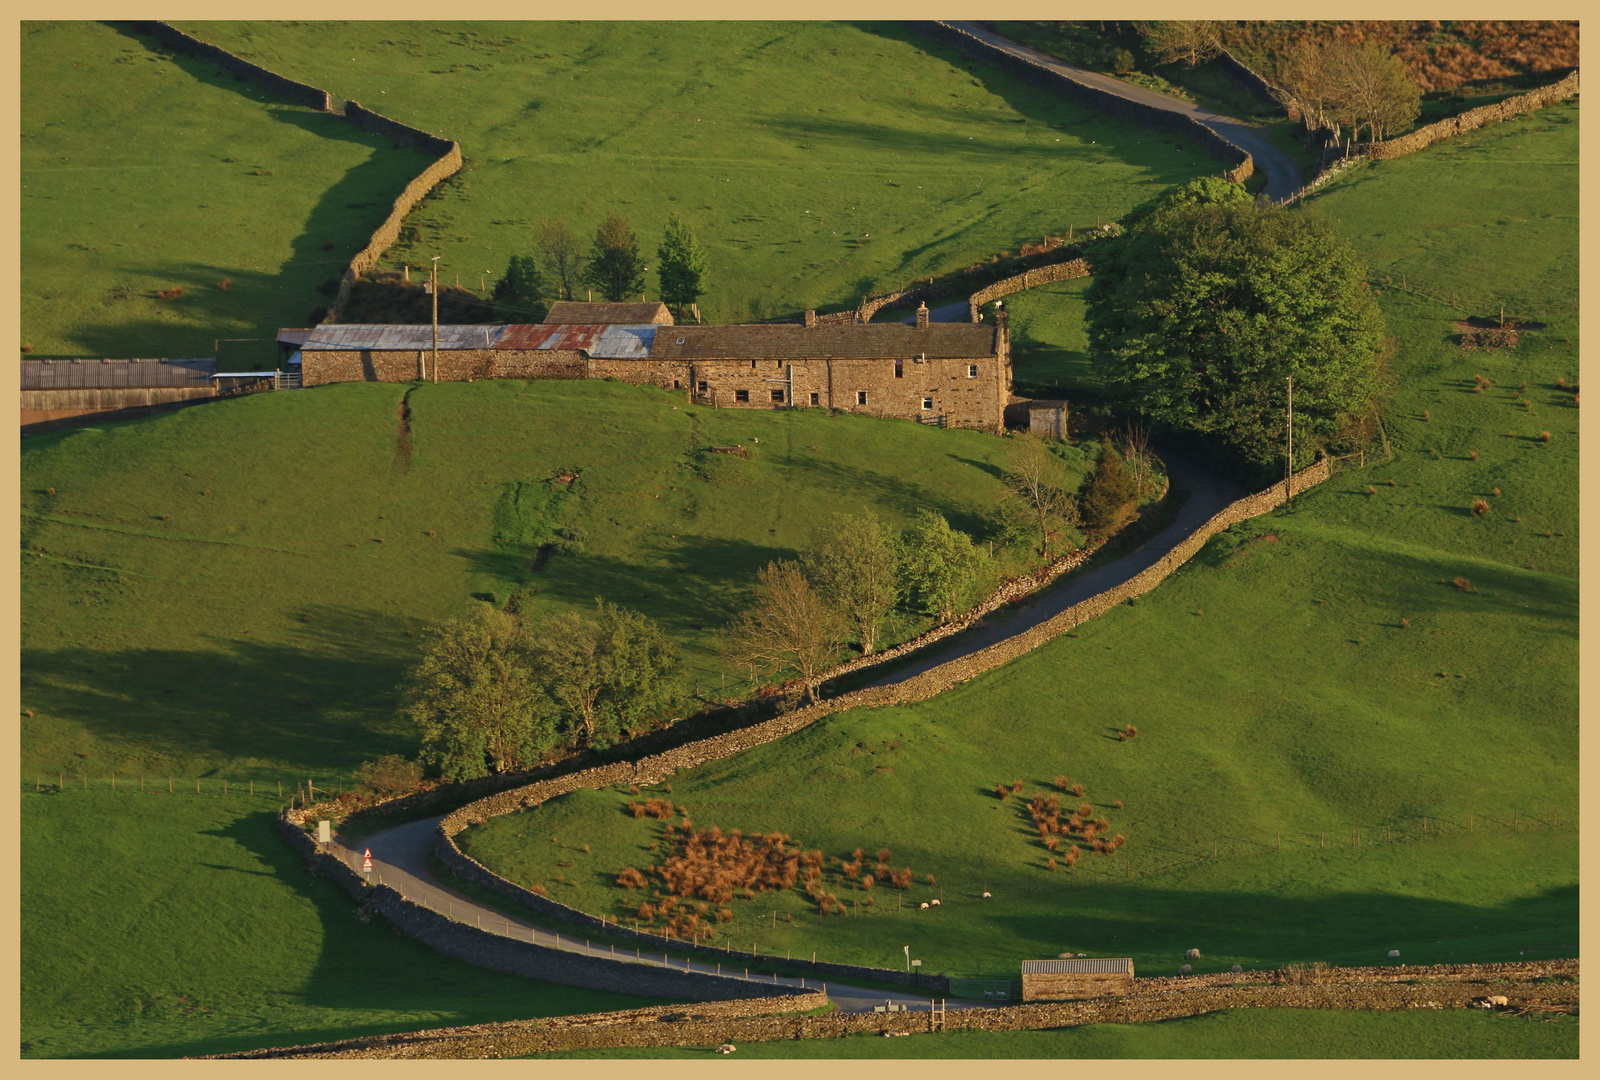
[(986, 896), (935, 903), (1192, 954), (1082, 955), (726, 1048), (1394, 952), (1186, 970), (924, 906), (1237, 969), (1497, 1002)]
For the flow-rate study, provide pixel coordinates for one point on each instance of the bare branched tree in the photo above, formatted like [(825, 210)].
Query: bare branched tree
[(563, 253), (789, 628), (1191, 41), (1343, 84), (854, 561), (1135, 443), (1035, 479)]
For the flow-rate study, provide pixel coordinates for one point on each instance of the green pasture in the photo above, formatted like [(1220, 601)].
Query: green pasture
[(818, 162), (142, 170), (1311, 673), (233, 589), (1240, 1033), (158, 925)]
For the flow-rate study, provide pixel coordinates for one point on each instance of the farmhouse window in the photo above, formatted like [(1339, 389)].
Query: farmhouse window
[(972, 371), (927, 403), (777, 396), (677, 385), (752, 365), (741, 395), (816, 399), (702, 386), (861, 397), (899, 369)]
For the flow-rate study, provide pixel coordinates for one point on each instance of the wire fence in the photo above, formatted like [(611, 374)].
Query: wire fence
[(296, 792)]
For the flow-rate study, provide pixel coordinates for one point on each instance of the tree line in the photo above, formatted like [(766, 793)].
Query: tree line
[(494, 694), (610, 265)]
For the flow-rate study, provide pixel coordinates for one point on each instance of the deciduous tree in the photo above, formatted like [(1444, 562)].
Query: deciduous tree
[(854, 562), (683, 267), (475, 697), (1189, 40), (1202, 309), (608, 675), (562, 253), (788, 629), (940, 564), (1036, 480)]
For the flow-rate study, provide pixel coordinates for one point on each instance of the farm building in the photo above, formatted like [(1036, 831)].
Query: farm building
[(1056, 980), (950, 374), (581, 311), (54, 390)]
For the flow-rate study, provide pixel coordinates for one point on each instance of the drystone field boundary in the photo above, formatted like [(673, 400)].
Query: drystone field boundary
[(449, 152), (763, 1020), (657, 767), (1242, 166)]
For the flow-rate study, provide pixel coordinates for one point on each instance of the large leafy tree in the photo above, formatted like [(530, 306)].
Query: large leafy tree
[(609, 675), (940, 564), (1211, 300), (520, 293), (854, 561), (615, 267), (475, 697), (682, 266)]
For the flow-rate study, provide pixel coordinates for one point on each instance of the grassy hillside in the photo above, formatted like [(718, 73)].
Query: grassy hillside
[(817, 161), (1313, 672), (233, 589), (1242, 1033), (144, 171), (184, 925)]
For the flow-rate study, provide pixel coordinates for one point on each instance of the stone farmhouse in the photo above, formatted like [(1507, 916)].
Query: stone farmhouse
[(949, 374)]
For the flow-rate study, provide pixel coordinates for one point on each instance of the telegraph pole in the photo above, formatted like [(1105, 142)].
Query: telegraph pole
[(1288, 465), (434, 288)]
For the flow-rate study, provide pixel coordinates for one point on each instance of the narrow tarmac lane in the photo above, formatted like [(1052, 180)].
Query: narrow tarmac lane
[(1283, 175), (400, 860)]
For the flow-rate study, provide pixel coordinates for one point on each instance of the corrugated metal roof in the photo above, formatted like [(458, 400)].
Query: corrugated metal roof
[(602, 340), (838, 341), (401, 337), (115, 374), (290, 335), (580, 311), (1121, 965)]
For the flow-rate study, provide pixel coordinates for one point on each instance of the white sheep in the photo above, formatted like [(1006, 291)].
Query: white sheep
[(1185, 970), (924, 906), (1192, 954), (935, 903), (1237, 969), (986, 896), (1394, 952), (726, 1048)]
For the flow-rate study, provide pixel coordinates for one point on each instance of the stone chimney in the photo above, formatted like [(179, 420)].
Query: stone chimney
[(922, 316), (811, 317)]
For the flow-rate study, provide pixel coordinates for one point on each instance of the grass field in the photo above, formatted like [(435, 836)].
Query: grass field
[(1311, 673), (143, 171), (278, 546), (817, 161), (1245, 1033), (185, 925)]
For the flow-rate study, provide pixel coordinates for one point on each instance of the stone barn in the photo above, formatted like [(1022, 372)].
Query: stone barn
[(1058, 980), (582, 311)]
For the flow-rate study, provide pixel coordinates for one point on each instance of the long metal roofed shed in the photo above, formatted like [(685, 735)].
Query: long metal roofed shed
[(116, 374), (938, 341), (400, 337), (1055, 980)]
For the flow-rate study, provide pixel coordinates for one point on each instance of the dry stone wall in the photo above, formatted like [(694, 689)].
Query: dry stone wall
[(1473, 119), (1035, 74), (1029, 279), (286, 88), (657, 767), (764, 1021)]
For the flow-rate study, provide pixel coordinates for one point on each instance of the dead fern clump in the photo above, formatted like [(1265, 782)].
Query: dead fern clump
[(631, 879), (1052, 865), (1462, 584), (660, 809), (1002, 791), (1480, 507), (169, 294), (1472, 455), (1016, 787), (1062, 782), (1117, 804), (538, 890), (225, 284), (867, 882), (1544, 436)]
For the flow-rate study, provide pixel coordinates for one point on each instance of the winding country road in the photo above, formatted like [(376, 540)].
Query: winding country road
[(400, 861), (1283, 175)]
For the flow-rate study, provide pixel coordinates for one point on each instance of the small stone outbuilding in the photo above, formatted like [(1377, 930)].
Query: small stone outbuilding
[(1060, 980)]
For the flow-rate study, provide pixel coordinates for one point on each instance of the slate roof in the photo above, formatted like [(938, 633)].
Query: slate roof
[(838, 341), (115, 374), (582, 311), (1121, 965), (603, 341), (400, 337)]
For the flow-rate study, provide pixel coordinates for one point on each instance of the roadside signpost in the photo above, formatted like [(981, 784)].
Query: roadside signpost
[(366, 862)]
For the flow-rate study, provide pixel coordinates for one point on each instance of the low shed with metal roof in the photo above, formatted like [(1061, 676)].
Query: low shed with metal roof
[(1060, 980)]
